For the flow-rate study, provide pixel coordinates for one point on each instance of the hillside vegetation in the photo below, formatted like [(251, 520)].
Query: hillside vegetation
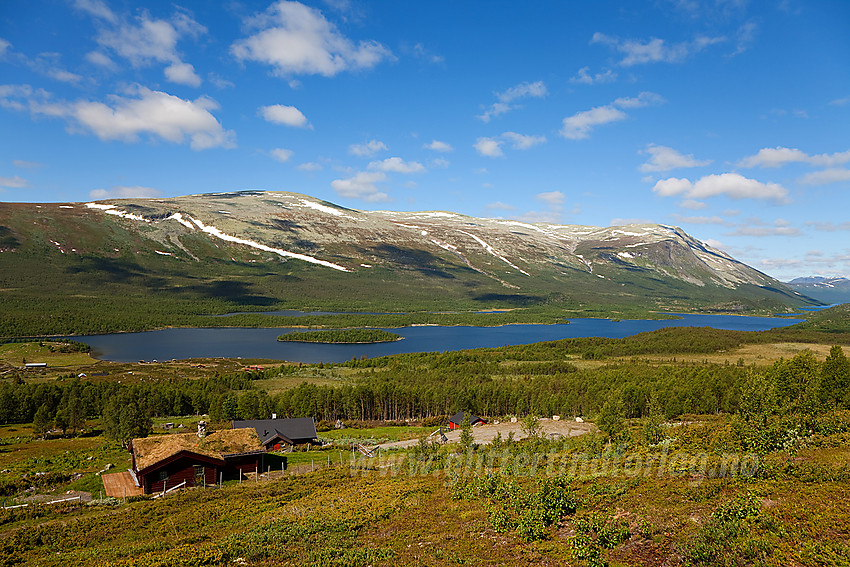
[(73, 269)]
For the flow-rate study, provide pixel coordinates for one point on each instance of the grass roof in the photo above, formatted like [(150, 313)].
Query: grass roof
[(151, 450)]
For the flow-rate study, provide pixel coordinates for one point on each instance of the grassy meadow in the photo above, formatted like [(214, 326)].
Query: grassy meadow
[(710, 448)]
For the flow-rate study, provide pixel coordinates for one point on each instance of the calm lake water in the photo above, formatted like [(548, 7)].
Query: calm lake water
[(170, 344)]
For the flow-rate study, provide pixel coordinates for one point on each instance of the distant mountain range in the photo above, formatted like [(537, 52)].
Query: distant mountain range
[(828, 290), (264, 248)]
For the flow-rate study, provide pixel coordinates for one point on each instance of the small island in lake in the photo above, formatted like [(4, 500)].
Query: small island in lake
[(349, 336)]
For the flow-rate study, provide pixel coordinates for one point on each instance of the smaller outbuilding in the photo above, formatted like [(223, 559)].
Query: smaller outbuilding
[(457, 420), (276, 434)]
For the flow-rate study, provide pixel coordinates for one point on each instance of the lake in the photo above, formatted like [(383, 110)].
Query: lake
[(167, 344)]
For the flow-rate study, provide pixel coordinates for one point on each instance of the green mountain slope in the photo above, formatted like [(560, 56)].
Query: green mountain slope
[(139, 263)]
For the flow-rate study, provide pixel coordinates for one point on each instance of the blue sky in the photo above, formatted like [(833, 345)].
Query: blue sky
[(729, 118)]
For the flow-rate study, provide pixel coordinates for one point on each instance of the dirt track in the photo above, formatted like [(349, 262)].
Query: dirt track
[(484, 434)]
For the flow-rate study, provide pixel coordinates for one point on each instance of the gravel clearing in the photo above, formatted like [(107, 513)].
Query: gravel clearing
[(484, 434)]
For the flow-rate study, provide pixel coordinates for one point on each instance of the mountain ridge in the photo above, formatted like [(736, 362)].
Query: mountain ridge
[(262, 248)]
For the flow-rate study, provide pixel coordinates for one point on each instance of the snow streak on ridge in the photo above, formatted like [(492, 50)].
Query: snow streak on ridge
[(209, 229)]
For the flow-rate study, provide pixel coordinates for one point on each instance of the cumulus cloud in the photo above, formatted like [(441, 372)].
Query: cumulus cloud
[(4, 47), (523, 141), (281, 154), (779, 156), (825, 177), (310, 166), (295, 39), (125, 118), (286, 115), (654, 50), (156, 113), (583, 77), (144, 40), (692, 205), (183, 74), (367, 149), (397, 165), (579, 125), (101, 60), (125, 192), (440, 163), (663, 158), (438, 146), (505, 99), (361, 186), (490, 147), (97, 9), (732, 185)]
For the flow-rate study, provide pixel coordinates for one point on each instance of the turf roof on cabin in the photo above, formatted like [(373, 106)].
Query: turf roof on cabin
[(151, 450)]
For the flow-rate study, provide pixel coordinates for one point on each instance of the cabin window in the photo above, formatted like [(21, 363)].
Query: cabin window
[(199, 471), (163, 475)]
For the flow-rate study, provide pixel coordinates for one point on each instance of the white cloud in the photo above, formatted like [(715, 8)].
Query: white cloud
[(361, 186), (310, 166), (692, 205), (500, 206), (397, 165), (101, 60), (554, 199), (13, 182), (368, 149), (183, 74), (97, 9), (732, 185), (438, 146), (505, 99), (523, 141), (700, 219), (490, 147), (663, 158), (825, 177), (579, 125), (654, 50), (296, 39), (440, 163), (553, 208), (672, 186), (840, 101), (4, 46), (125, 192), (287, 115), (621, 221), (157, 113), (147, 40), (760, 231), (829, 226), (643, 99), (584, 77), (779, 156), (125, 118), (281, 154)]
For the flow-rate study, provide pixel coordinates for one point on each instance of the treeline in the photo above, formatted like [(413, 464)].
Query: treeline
[(66, 403), (352, 336)]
